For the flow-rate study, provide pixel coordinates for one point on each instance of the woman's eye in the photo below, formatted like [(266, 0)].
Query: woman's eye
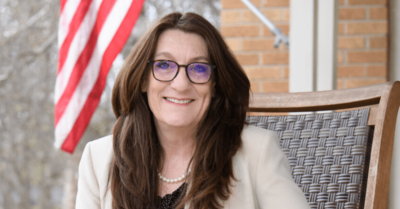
[(163, 65), (200, 68)]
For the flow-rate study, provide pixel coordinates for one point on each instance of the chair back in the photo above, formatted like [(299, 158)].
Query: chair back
[(341, 158)]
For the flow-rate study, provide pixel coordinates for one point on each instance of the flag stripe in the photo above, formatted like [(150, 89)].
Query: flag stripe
[(83, 60), (77, 46), (62, 4), (73, 28), (66, 16), (111, 52)]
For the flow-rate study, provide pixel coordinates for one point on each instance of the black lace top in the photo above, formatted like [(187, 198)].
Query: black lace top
[(170, 200)]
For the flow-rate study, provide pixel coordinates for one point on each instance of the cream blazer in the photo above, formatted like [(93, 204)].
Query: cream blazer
[(260, 166)]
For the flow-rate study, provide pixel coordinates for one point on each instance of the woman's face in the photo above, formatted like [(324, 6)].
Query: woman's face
[(179, 103)]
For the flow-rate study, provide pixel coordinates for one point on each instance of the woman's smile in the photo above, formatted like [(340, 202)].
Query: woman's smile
[(179, 101)]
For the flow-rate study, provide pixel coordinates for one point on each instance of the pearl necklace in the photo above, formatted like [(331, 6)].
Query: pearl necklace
[(174, 180)]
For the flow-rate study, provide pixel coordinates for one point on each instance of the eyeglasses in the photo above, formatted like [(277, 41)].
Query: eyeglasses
[(167, 70)]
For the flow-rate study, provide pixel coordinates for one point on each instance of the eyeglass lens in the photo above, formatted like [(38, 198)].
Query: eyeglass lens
[(166, 71)]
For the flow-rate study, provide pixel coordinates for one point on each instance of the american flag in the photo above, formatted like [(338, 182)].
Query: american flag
[(91, 34)]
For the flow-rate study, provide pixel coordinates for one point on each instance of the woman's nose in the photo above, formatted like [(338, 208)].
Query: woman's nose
[(181, 81)]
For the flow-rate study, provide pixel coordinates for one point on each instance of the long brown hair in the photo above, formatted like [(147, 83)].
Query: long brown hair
[(138, 154)]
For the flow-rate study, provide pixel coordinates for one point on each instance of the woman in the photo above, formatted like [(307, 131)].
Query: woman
[(180, 139)]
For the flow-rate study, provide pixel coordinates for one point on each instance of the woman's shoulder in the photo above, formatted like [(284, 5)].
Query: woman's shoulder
[(257, 140), (262, 165), (94, 173), (255, 137), (101, 145), (99, 154)]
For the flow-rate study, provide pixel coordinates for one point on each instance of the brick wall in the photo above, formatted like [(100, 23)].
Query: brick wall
[(362, 42), (252, 42)]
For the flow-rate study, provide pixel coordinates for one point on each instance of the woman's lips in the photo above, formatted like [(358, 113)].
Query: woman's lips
[(179, 101)]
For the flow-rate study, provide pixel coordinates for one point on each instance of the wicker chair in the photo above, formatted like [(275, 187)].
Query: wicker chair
[(341, 158)]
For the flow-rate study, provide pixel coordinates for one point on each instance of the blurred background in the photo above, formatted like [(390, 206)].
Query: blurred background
[(33, 174), (363, 45)]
